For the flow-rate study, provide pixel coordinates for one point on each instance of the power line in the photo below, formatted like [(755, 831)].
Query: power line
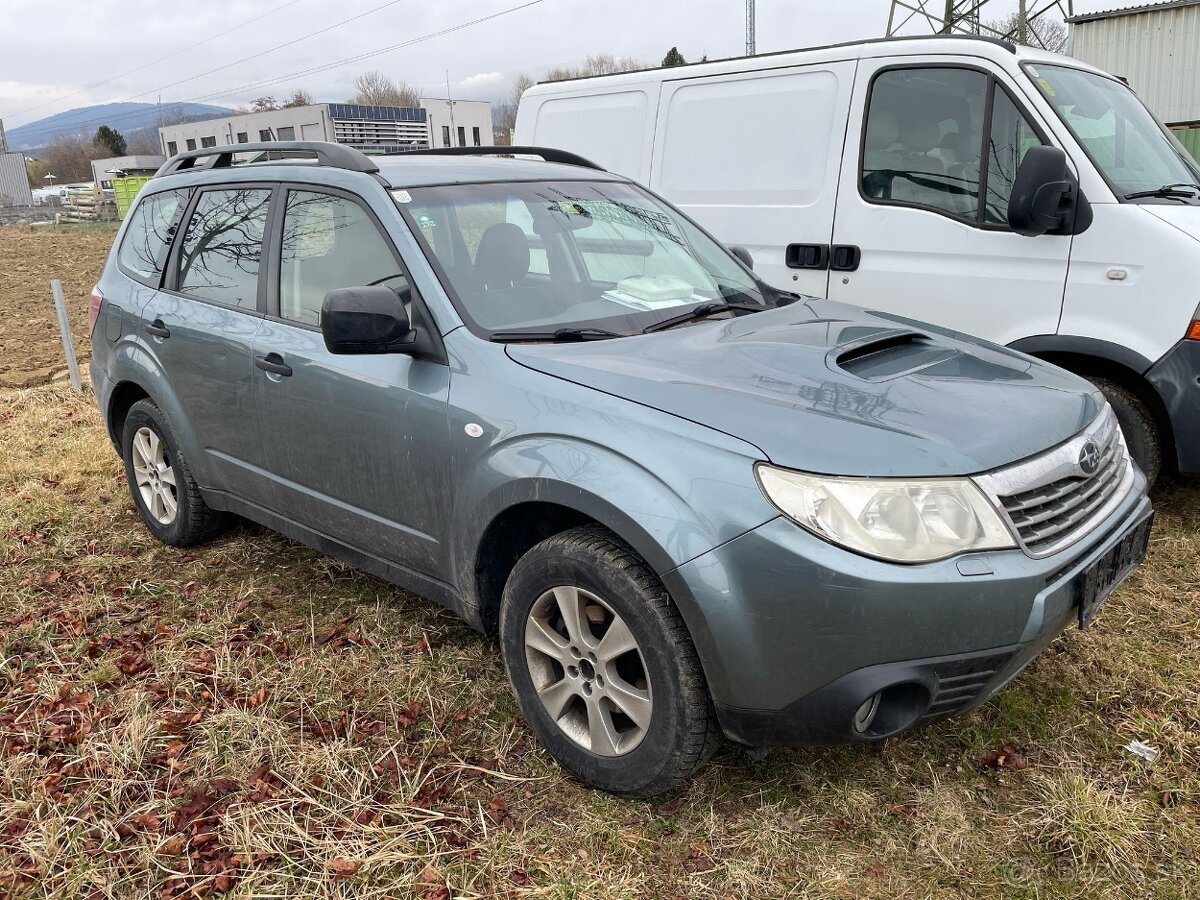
[(153, 61), (241, 89)]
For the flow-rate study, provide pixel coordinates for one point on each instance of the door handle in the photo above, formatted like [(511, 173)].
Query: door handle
[(274, 364), (845, 258), (157, 329), (806, 256)]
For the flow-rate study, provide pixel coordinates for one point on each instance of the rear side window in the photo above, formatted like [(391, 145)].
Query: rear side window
[(144, 248), (330, 242), (222, 247)]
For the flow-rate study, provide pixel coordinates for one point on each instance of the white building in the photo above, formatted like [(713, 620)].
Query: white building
[(105, 170), (434, 123)]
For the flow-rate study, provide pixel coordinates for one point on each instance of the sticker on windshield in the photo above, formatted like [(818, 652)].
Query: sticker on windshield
[(426, 221), (402, 196), (1046, 87)]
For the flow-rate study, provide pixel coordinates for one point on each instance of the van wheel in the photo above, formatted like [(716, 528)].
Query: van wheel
[(161, 482), (1138, 426), (603, 666)]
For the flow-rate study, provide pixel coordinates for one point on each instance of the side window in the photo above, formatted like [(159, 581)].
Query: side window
[(144, 247), (1010, 136), (328, 243), (923, 139), (222, 247)]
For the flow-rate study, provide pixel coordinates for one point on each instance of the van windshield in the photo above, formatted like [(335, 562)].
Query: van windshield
[(1136, 154), (574, 259)]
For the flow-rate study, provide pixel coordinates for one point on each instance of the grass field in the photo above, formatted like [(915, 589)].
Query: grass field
[(251, 718)]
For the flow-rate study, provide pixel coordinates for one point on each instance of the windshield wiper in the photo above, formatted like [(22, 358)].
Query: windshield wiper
[(558, 335), (1178, 189), (700, 312)]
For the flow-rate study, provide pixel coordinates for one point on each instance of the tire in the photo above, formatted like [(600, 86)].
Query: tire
[(663, 741), (1138, 426), (153, 461)]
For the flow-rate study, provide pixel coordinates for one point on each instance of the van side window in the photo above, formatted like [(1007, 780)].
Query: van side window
[(328, 243), (1010, 136), (923, 139), (144, 248), (222, 247)]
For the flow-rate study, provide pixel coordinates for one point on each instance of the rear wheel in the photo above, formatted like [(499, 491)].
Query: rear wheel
[(1138, 426), (603, 666), (161, 481)]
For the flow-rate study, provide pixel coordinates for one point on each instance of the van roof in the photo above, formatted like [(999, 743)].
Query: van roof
[(958, 44)]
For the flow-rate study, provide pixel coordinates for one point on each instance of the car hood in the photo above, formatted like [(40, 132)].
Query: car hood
[(829, 388)]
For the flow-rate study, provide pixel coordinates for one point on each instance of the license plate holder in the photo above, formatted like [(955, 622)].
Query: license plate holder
[(1102, 577)]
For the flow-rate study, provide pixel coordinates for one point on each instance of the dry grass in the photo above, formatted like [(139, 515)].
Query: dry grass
[(253, 717)]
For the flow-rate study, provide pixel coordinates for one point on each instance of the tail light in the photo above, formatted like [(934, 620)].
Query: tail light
[(94, 302)]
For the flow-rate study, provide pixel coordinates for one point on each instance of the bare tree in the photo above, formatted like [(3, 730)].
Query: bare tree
[(596, 64), (1043, 32), (376, 89), (300, 97), (506, 112), (262, 104), (69, 157)]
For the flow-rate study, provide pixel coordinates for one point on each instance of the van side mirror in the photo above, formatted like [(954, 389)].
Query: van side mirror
[(361, 320), (742, 254), (1046, 198)]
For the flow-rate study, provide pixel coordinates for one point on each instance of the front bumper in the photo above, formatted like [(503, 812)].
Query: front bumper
[(1176, 378), (795, 634)]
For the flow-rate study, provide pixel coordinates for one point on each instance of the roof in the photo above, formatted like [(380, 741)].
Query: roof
[(419, 170), (1130, 11)]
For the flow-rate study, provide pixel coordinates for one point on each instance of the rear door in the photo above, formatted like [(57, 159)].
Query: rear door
[(200, 327), (755, 158), (921, 227), (357, 445)]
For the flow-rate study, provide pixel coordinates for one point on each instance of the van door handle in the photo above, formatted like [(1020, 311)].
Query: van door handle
[(806, 256), (274, 364), (157, 329), (845, 258)]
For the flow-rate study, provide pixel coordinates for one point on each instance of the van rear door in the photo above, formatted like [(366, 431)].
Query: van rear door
[(921, 226), (754, 157)]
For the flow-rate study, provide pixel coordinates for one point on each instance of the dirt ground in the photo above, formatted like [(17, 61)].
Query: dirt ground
[(31, 351), (248, 718)]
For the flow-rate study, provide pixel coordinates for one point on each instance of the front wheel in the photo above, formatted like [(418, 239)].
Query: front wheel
[(603, 666), (1138, 426)]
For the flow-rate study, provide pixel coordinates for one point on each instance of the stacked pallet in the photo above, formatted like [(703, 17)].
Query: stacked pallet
[(87, 205)]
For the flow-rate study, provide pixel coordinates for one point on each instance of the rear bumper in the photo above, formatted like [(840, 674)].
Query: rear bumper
[(794, 648), (1176, 378)]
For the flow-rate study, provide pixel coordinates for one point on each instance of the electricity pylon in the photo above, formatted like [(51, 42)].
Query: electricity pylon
[(964, 17), (749, 27)]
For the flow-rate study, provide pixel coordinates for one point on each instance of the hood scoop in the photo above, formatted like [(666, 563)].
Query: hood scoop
[(890, 355)]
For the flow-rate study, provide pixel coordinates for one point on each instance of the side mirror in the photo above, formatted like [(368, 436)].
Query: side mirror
[(1046, 198), (743, 254), (365, 320)]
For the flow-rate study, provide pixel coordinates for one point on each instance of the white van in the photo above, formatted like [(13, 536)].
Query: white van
[(897, 175)]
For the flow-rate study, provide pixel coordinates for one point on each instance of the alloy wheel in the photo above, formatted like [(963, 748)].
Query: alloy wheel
[(588, 670), (155, 476)]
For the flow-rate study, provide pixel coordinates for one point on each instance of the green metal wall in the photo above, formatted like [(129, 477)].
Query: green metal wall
[(1190, 138), (125, 190)]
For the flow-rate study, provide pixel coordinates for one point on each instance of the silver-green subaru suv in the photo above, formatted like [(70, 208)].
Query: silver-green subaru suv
[(536, 393)]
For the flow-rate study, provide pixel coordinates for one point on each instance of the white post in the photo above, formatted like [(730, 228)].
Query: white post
[(64, 328)]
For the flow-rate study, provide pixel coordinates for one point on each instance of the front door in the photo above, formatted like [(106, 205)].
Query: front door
[(357, 445), (921, 225), (201, 325)]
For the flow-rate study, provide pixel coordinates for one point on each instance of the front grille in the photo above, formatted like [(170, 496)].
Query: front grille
[(1052, 500), (960, 681)]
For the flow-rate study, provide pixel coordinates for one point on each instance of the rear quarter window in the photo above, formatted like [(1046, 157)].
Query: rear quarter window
[(143, 251)]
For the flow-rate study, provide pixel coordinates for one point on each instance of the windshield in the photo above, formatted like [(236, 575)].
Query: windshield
[(1133, 151), (547, 257)]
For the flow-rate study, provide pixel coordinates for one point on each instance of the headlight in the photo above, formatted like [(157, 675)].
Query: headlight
[(902, 520)]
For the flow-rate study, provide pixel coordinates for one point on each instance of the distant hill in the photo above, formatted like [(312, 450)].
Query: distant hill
[(124, 117)]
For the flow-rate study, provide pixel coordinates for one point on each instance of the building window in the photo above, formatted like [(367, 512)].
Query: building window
[(265, 134), (208, 142), (172, 148), (445, 135), (475, 135), (287, 133), (191, 143), (243, 138), (462, 136)]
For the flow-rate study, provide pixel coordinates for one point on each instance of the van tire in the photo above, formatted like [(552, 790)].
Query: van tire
[(682, 732), (1138, 426), (194, 521)]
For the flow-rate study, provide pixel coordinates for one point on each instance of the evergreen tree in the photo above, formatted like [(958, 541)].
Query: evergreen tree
[(109, 140), (674, 58)]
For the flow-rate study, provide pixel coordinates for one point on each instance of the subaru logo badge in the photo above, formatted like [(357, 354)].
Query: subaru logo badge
[(1089, 458)]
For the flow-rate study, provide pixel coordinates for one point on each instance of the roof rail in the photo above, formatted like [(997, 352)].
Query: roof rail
[(336, 156), (549, 154)]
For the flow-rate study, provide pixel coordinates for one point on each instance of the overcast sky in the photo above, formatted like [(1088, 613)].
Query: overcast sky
[(59, 54)]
